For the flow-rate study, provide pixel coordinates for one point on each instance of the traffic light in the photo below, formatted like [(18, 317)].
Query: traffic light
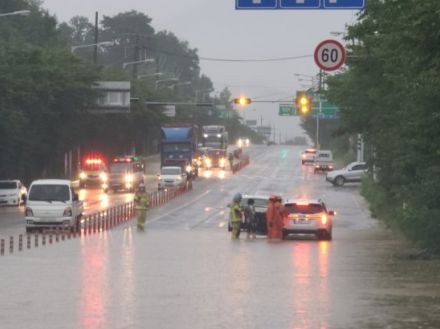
[(242, 101), (304, 104)]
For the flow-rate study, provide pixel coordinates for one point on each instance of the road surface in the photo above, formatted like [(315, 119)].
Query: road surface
[(185, 272)]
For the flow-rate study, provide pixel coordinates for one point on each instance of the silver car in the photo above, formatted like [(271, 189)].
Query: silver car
[(307, 217), (352, 173)]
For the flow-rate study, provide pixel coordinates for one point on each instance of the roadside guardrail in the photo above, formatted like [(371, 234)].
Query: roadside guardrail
[(90, 224)]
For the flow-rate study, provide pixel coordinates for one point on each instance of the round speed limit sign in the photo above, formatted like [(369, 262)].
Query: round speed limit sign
[(330, 55)]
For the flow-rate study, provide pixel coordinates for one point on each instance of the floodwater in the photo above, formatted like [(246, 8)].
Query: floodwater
[(185, 272)]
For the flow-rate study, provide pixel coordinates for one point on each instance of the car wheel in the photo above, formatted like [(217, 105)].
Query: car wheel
[(339, 181), (324, 235), (283, 235), (329, 236)]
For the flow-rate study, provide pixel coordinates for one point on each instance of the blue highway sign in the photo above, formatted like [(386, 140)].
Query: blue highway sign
[(299, 4), (256, 4), (344, 4)]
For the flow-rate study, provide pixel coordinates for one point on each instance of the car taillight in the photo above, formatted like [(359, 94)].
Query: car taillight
[(67, 212), (28, 212), (324, 219)]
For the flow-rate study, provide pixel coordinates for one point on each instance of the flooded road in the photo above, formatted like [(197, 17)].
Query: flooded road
[(185, 272)]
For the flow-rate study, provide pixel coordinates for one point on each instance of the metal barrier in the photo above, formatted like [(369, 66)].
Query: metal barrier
[(91, 224), (244, 161)]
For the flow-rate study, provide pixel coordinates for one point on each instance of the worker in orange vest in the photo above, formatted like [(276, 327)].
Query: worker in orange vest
[(274, 218)]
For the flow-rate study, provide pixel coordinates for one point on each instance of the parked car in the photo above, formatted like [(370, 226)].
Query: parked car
[(171, 177), (308, 156), (260, 204), (308, 217), (12, 192), (323, 161), (52, 203), (352, 173)]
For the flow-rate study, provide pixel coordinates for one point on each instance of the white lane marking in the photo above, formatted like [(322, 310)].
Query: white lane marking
[(155, 219)]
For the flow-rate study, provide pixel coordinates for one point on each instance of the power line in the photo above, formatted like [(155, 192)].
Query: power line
[(278, 59), (238, 60)]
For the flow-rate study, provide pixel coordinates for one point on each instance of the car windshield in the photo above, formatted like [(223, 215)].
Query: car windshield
[(309, 208), (8, 185), (170, 171), (119, 167), (51, 192)]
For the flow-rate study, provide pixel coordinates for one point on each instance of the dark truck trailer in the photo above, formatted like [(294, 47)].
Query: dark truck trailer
[(178, 147)]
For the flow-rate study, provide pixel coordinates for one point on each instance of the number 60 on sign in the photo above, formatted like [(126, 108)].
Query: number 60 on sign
[(330, 55)]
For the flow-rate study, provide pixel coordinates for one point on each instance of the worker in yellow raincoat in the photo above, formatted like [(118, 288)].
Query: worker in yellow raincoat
[(141, 205)]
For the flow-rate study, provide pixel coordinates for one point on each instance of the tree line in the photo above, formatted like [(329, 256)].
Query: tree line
[(46, 88), (390, 93)]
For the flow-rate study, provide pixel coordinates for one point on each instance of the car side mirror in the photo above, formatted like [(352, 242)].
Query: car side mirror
[(332, 213), (75, 197)]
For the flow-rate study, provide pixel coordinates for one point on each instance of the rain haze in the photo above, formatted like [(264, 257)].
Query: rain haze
[(219, 31)]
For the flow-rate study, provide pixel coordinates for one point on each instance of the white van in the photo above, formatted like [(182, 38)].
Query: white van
[(323, 161), (52, 203)]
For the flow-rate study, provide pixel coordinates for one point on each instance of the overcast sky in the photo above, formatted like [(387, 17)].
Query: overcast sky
[(217, 30)]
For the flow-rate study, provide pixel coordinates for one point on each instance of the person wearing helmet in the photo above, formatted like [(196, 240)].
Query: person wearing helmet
[(235, 216), (274, 218), (141, 204)]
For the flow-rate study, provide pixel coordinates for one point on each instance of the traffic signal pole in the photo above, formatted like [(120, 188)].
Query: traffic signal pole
[(319, 111)]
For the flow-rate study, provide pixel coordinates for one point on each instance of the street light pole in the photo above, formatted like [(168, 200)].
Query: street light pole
[(95, 49), (19, 12)]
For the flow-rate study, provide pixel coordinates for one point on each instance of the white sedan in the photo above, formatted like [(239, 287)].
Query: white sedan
[(12, 192), (171, 177)]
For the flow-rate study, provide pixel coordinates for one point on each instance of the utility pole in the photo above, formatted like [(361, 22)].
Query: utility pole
[(95, 49), (136, 57)]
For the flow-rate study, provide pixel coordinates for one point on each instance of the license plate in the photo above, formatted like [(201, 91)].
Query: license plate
[(301, 221)]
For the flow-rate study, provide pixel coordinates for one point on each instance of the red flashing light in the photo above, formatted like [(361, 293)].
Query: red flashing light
[(93, 161), (122, 159)]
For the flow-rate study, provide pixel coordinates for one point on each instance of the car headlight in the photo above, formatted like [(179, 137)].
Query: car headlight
[(179, 178), (103, 177), (128, 178), (205, 135), (188, 168), (219, 135), (67, 212), (82, 175), (222, 161), (28, 212)]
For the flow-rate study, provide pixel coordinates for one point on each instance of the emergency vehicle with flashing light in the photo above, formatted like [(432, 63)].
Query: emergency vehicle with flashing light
[(125, 173), (93, 170)]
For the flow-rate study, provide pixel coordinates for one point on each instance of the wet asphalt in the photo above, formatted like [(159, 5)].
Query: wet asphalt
[(185, 272)]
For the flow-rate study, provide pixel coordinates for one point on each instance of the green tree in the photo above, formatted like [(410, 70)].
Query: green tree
[(391, 93)]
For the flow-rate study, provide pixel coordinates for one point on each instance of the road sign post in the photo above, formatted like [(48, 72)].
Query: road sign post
[(329, 55)]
